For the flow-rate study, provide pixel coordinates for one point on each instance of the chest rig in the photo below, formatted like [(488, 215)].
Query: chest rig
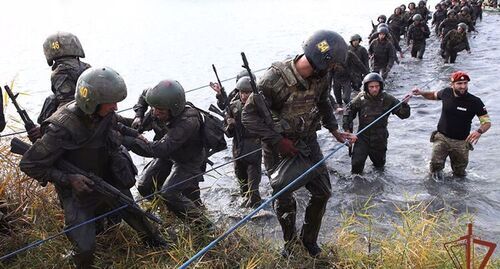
[(299, 114)]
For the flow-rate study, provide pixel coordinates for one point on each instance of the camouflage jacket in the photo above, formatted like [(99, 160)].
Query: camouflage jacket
[(368, 108), (64, 76), (297, 104)]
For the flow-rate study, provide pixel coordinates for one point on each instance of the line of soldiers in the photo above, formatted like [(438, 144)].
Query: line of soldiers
[(79, 124)]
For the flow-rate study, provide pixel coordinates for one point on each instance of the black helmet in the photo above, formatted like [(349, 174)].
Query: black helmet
[(372, 77), (417, 17), (465, 8), (244, 73), (62, 44), (355, 37), (383, 30), (99, 85), (421, 3), (324, 48), (451, 12), (168, 95), (383, 17)]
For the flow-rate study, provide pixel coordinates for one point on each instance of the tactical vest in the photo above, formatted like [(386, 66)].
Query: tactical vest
[(372, 108), (299, 115), (86, 149)]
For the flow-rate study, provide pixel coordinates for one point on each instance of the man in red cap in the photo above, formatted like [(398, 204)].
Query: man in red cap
[(453, 137)]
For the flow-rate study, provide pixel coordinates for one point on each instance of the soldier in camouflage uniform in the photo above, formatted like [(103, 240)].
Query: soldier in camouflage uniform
[(84, 134), (437, 17), (223, 100), (296, 93), (466, 17), (362, 54), (248, 169), (182, 145), (371, 103), (382, 53), (454, 42), (342, 75), (63, 52), (418, 32), (453, 137), (448, 24)]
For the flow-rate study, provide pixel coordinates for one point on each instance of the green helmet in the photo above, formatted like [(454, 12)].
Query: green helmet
[(62, 44), (417, 17), (99, 85), (244, 73), (168, 95), (355, 38), (244, 85)]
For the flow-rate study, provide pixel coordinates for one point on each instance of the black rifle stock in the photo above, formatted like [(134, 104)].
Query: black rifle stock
[(258, 98), (222, 90), (2, 116), (18, 146), (28, 123)]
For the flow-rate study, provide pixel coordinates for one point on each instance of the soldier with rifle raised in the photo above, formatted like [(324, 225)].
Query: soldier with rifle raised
[(84, 133)]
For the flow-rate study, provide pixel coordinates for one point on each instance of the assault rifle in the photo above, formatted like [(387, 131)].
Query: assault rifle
[(222, 90), (28, 123), (20, 147), (216, 110), (258, 98), (2, 117)]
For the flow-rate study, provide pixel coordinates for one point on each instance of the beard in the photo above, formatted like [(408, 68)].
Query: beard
[(459, 94)]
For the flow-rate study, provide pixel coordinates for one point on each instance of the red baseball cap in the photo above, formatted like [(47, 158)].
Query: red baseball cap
[(459, 76)]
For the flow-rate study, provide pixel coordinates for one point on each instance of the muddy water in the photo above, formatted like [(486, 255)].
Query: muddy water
[(181, 39)]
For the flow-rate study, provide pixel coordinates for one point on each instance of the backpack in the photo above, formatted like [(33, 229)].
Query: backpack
[(212, 131)]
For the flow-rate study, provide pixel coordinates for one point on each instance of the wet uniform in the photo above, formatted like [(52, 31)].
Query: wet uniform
[(297, 104), (384, 56), (179, 155), (362, 54), (342, 76), (248, 170), (452, 43), (372, 142), (417, 34), (452, 130), (65, 73), (93, 145)]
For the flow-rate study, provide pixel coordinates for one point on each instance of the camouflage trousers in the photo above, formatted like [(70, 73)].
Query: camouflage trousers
[(457, 150)]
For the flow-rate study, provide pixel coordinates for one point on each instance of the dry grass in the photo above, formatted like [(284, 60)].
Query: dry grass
[(31, 212)]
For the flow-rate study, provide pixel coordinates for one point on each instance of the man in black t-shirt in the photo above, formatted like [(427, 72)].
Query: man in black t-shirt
[(453, 137)]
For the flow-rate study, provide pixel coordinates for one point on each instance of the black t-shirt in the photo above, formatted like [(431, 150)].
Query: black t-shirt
[(457, 113)]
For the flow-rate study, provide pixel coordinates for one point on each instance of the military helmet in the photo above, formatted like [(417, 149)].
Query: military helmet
[(381, 25), (99, 85), (168, 95), (417, 17), (62, 44), (465, 9), (451, 12), (355, 37), (463, 26), (411, 4), (244, 84), (372, 77), (383, 30), (383, 17), (244, 73), (324, 48), (421, 3)]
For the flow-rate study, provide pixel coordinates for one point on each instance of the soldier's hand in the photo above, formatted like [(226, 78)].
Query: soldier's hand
[(230, 122), (473, 137), (34, 133), (407, 97), (136, 123), (216, 87), (416, 91), (342, 137), (287, 148), (80, 183)]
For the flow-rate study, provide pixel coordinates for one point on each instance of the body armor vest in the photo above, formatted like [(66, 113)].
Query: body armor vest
[(299, 114)]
